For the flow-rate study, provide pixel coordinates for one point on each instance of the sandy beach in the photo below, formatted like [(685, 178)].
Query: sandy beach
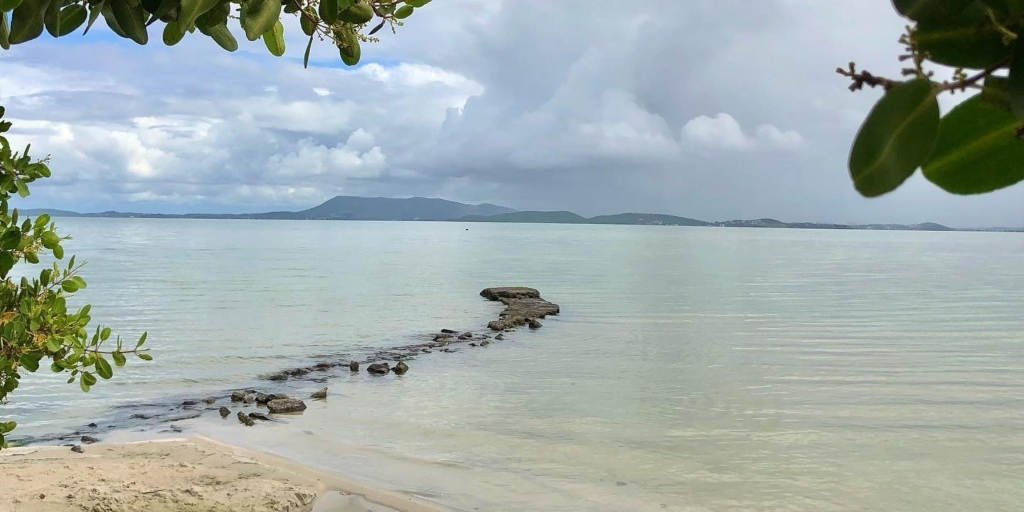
[(185, 474)]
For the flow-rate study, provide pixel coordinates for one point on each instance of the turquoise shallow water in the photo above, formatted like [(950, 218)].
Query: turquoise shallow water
[(703, 369)]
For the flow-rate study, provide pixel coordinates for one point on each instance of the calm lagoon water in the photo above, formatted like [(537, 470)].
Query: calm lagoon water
[(692, 369)]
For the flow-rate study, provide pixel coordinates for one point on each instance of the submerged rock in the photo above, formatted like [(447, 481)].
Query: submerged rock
[(378, 369), (189, 403), (500, 337), (238, 396), (353, 366), (534, 323), (286, 405), (401, 368), (209, 401), (484, 343), (77, 449), (320, 394), (224, 412), (510, 292), (448, 331), (89, 440), (259, 416), (245, 419)]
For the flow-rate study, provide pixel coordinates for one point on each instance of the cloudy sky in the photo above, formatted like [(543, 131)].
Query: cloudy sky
[(714, 109)]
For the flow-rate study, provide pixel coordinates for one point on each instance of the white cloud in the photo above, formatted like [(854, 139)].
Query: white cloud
[(725, 133)]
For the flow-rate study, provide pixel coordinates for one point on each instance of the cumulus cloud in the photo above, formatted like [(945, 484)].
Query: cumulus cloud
[(724, 132), (707, 108)]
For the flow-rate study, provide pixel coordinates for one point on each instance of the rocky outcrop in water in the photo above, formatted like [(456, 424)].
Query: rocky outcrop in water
[(244, 419), (286, 405), (320, 394), (523, 306), (378, 369)]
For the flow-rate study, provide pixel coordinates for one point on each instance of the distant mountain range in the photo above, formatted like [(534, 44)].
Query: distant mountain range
[(429, 209)]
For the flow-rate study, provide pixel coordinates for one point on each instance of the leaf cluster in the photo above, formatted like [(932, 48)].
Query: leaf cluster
[(35, 322), (977, 146), (341, 22)]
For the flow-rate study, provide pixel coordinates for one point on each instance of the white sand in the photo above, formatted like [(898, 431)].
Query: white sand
[(180, 475)]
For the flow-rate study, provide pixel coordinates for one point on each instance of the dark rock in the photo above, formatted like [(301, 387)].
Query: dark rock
[(510, 292), (262, 398), (140, 416), (224, 412), (534, 323), (321, 394), (92, 425), (209, 401), (378, 369), (353, 366), (77, 449), (472, 344), (238, 396), (250, 398), (89, 440), (189, 403), (176, 428), (285, 405), (466, 336), (401, 368), (448, 331), (426, 351), (245, 419), (499, 337), (441, 337), (259, 416), (484, 343)]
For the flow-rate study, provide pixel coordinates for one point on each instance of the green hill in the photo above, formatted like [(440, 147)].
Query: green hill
[(646, 219)]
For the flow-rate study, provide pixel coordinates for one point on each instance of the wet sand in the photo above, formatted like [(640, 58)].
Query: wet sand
[(183, 474)]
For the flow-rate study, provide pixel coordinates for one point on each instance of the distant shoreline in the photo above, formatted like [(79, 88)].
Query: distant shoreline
[(419, 209)]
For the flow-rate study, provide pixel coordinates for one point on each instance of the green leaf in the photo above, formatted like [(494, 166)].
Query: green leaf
[(1015, 82), (221, 35), (81, 383), (105, 333), (274, 39), (307, 21), (190, 11), (417, 3), (349, 47), (119, 359), (142, 340), (357, 14), (164, 9), (11, 239), (5, 43), (259, 16), (22, 188), (94, 12), (79, 281), (145, 357), (30, 361), (305, 56), (42, 220), (50, 239), (923, 10), (1006, 8), (89, 378), (996, 92), (69, 286), (131, 18), (6, 264), (173, 33), (103, 368), (51, 19), (9, 5), (978, 150), (969, 40), (404, 12), (58, 252), (328, 12), (27, 21), (896, 138), (53, 344)]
